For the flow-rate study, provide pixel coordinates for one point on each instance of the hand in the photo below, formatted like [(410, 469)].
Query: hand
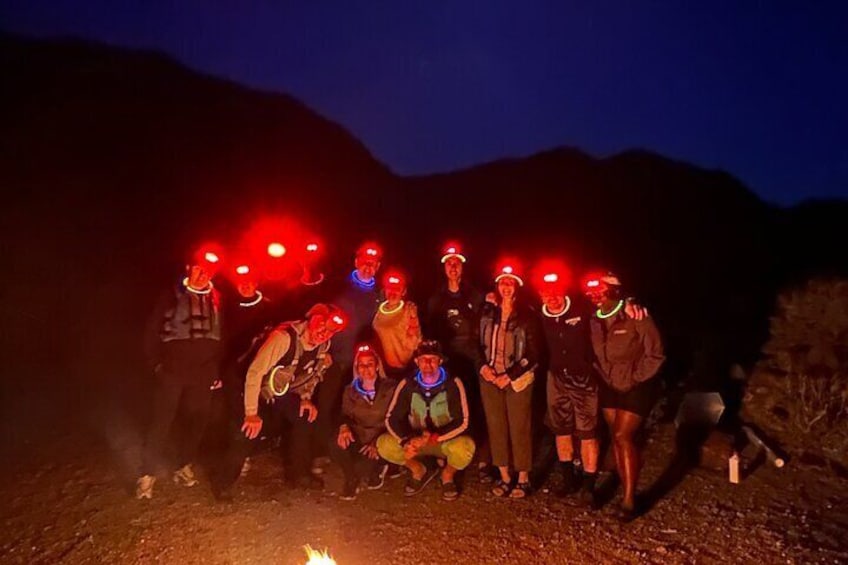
[(345, 437), (328, 360), (502, 381), (370, 451), (252, 426), (635, 311), (487, 373), (414, 445), (491, 298), (308, 408)]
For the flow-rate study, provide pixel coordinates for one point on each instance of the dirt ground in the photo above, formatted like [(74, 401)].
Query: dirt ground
[(65, 500)]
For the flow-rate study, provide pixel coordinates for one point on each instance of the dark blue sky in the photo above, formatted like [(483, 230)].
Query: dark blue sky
[(758, 88)]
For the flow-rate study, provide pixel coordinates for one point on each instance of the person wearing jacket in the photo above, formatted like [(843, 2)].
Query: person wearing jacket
[(183, 346), (509, 337), (358, 298), (629, 354), (365, 402), (428, 417), (452, 318), (282, 379)]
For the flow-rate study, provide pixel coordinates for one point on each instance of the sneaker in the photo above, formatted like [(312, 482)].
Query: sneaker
[(484, 474), (245, 467), (570, 481), (349, 490), (144, 487), (414, 486), (377, 478), (185, 476), (450, 491), (318, 465), (394, 471)]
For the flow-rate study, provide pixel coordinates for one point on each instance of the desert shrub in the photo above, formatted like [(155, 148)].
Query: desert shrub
[(803, 374)]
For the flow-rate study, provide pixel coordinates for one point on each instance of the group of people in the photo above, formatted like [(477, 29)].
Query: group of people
[(381, 387)]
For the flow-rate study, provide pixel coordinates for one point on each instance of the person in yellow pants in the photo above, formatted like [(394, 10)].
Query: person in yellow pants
[(428, 418)]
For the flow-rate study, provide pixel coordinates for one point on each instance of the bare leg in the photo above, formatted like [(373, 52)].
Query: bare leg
[(628, 460), (589, 452), (565, 448)]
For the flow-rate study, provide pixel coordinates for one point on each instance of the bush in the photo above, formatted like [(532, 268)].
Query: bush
[(800, 386)]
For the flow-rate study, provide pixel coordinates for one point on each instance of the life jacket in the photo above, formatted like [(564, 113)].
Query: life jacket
[(192, 316)]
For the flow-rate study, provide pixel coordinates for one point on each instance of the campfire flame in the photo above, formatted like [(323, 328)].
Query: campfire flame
[(318, 557)]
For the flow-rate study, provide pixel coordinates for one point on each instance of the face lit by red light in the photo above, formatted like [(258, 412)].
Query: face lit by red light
[(507, 287), (394, 289), (366, 267), (597, 291), (552, 298), (247, 288), (320, 329), (453, 269), (198, 277)]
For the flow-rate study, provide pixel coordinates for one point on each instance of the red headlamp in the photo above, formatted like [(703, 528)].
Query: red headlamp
[(452, 250)]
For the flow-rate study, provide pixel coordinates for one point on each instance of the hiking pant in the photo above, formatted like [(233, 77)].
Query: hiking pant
[(458, 451), (176, 396), (508, 417), (353, 464), (297, 447)]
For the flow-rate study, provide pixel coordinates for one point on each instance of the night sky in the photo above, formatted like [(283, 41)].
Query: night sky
[(758, 88)]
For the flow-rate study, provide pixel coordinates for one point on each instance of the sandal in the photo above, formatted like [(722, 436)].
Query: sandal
[(501, 488), (520, 490)]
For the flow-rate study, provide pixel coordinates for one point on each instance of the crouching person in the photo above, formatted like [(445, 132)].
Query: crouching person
[(364, 405), (279, 385), (428, 417)]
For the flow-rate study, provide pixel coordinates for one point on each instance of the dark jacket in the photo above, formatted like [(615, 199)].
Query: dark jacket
[(359, 305), (442, 410), (522, 340), (568, 340), (367, 418), (628, 351), (453, 318), (183, 335)]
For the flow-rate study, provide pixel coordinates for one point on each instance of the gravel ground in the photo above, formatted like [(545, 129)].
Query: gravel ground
[(65, 501)]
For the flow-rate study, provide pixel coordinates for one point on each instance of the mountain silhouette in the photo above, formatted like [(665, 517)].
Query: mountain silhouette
[(114, 161)]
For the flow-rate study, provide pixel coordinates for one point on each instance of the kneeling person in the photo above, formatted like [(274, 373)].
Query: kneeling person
[(428, 417), (364, 405)]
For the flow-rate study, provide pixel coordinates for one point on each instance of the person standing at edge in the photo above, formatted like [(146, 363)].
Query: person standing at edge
[(183, 346), (629, 354)]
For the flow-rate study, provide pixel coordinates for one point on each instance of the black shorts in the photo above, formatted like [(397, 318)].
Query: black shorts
[(639, 399), (572, 405)]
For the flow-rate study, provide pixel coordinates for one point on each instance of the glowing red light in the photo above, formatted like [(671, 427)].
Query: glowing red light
[(507, 270), (276, 249), (364, 348), (242, 269), (450, 250), (211, 257), (338, 320), (551, 278), (394, 280), (312, 247), (593, 283), (371, 251)]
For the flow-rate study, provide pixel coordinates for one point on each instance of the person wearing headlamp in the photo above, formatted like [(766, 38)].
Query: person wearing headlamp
[(282, 379), (183, 347), (628, 356)]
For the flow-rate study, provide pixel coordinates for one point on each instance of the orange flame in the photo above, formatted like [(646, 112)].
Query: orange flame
[(318, 557)]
